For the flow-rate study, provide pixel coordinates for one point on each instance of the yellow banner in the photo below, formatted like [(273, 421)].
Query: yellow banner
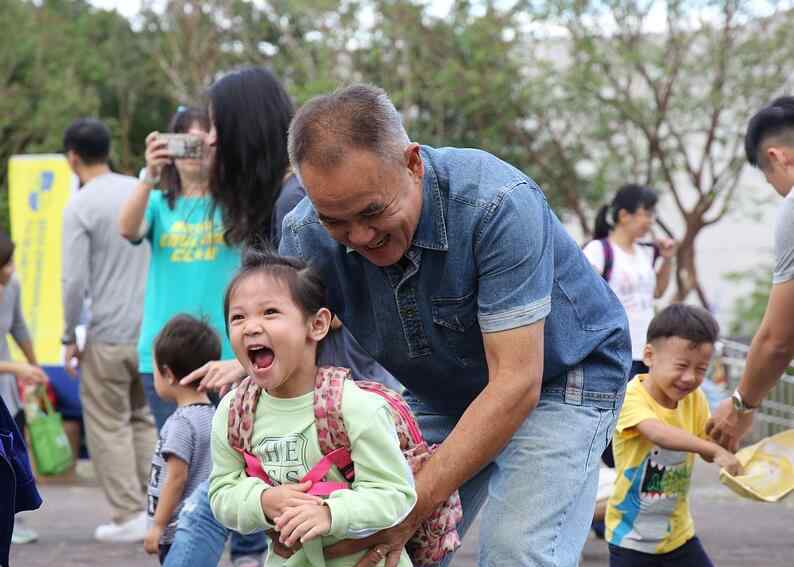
[(38, 188)]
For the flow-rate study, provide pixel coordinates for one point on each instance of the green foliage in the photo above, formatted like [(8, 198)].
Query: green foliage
[(544, 85), (750, 308)]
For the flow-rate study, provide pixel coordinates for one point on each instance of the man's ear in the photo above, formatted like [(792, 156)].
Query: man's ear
[(320, 324), (779, 156), (413, 160)]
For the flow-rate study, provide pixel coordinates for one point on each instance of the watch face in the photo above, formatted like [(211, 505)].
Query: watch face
[(737, 404)]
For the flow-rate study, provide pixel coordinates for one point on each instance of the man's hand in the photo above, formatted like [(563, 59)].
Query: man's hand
[(217, 375), (279, 548), (276, 500), (303, 523), (387, 544), (31, 375), (728, 461), (71, 359), (727, 427), (151, 543)]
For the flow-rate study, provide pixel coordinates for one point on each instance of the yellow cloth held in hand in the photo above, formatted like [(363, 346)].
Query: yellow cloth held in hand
[(768, 469)]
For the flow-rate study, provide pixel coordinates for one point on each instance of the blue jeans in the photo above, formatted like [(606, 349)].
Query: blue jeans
[(200, 538), (161, 409), (538, 495)]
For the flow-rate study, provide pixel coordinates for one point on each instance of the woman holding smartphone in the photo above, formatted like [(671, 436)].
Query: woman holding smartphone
[(191, 263)]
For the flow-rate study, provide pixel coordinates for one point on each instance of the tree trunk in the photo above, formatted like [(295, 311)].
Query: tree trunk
[(686, 273)]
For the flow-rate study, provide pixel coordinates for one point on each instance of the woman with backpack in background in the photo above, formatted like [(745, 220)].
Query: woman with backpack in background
[(628, 265), (630, 268)]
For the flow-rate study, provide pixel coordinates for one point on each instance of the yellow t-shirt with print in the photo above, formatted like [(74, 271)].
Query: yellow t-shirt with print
[(649, 507)]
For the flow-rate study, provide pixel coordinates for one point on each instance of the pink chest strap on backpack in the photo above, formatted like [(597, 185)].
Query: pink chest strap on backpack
[(436, 536)]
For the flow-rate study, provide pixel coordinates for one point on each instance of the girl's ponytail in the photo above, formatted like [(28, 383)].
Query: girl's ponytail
[(602, 224)]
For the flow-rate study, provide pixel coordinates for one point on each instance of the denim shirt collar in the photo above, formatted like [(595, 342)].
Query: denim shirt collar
[(431, 232)]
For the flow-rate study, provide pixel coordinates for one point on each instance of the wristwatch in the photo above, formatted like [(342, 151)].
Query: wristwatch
[(739, 404)]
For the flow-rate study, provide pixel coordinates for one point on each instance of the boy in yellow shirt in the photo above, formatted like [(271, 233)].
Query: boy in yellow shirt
[(660, 429)]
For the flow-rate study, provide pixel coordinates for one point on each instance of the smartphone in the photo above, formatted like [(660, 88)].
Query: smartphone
[(183, 146)]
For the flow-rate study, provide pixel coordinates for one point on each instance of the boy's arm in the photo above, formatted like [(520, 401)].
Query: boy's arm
[(172, 490), (675, 439), (383, 492)]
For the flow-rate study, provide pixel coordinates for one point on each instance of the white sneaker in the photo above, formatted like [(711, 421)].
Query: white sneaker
[(132, 530), (22, 534)]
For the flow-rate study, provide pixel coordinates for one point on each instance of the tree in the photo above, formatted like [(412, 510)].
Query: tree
[(667, 108)]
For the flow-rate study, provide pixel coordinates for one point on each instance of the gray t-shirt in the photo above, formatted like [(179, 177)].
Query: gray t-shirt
[(186, 436), (11, 321), (784, 241), (98, 262)]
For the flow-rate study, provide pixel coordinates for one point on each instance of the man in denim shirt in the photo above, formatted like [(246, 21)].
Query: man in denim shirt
[(450, 269)]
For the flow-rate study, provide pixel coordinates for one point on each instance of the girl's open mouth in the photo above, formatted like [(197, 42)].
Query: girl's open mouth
[(261, 357)]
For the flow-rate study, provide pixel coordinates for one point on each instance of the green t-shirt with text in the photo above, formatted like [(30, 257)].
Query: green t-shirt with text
[(190, 268)]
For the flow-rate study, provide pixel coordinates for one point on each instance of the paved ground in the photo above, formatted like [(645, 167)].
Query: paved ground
[(736, 532)]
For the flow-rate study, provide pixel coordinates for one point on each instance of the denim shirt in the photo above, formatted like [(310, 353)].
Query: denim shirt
[(488, 255)]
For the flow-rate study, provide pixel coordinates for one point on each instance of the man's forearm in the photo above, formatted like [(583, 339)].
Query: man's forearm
[(766, 362), (481, 433), (73, 299)]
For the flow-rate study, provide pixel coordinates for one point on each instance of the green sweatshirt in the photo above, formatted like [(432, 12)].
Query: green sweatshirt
[(285, 440)]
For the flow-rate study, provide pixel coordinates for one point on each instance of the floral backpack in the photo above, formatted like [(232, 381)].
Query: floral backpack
[(436, 536)]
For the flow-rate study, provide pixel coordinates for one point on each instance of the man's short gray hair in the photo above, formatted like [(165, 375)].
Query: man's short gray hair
[(358, 117)]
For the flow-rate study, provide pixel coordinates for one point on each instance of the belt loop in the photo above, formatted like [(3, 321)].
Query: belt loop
[(574, 386)]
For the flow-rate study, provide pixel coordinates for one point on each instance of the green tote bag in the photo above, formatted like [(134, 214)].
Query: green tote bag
[(48, 441)]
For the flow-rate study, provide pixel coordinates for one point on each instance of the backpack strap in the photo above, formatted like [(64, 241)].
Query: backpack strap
[(240, 428), (331, 433), (656, 251), (609, 258), (241, 415)]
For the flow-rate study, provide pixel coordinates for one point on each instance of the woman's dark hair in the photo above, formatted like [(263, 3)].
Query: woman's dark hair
[(694, 324), (251, 112), (6, 248), (629, 198), (180, 123), (304, 282), (185, 344), (773, 121)]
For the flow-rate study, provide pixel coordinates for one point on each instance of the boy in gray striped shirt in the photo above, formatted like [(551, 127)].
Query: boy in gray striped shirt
[(182, 458)]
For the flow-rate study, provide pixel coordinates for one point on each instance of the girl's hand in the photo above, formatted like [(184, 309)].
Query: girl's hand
[(728, 461), (151, 543), (275, 501), (156, 154), (31, 375), (303, 523), (667, 247)]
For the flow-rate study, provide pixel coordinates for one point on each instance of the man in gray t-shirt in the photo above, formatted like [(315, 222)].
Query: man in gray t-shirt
[(769, 144), (99, 264)]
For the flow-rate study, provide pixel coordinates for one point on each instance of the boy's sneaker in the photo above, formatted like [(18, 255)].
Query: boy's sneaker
[(247, 561), (132, 530), (22, 534)]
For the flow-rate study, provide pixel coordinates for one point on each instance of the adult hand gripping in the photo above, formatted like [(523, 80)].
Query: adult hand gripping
[(219, 375), (387, 544), (727, 427)]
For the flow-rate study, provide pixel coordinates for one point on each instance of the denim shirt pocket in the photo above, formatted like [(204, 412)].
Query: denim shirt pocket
[(454, 318)]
